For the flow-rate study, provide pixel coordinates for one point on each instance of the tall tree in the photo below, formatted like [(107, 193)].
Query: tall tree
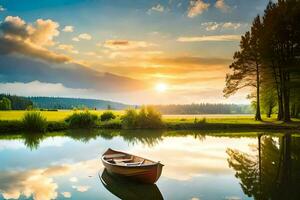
[(247, 65), (281, 49)]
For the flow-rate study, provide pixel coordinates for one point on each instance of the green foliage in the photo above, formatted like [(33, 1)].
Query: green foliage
[(147, 117), (106, 116), (204, 108), (34, 121), (82, 120), (268, 101), (17, 102), (5, 104), (129, 119)]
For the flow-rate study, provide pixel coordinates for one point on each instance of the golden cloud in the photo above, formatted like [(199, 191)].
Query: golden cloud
[(126, 44), (210, 38), (30, 40), (221, 5), (67, 47), (82, 36), (197, 7)]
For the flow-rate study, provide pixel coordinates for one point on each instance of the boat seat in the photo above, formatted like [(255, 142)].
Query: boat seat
[(123, 160), (117, 155)]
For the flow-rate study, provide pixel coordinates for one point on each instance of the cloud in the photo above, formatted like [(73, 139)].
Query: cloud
[(90, 53), (126, 44), (221, 5), (2, 9), (197, 7), (231, 25), (74, 77), (212, 26), (18, 37), (67, 47), (157, 8), (66, 194), (76, 39), (210, 38), (82, 36), (68, 29)]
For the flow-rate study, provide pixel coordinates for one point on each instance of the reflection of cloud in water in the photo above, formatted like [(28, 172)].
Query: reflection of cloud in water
[(73, 179), (187, 158), (66, 194), (47, 142), (39, 183), (27, 183), (11, 144), (81, 188), (233, 198)]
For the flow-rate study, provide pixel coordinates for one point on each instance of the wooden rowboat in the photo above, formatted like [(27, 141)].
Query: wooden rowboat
[(131, 166)]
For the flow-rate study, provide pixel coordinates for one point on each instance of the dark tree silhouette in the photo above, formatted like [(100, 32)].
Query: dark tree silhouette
[(247, 65)]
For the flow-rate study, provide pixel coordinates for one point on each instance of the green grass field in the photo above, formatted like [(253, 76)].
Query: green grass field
[(230, 119), (50, 115)]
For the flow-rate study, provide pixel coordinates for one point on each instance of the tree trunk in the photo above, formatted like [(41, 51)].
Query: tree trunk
[(270, 110), (280, 107), (257, 115), (286, 100), (278, 90)]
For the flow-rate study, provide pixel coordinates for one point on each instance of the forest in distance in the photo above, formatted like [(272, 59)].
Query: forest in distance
[(55, 103)]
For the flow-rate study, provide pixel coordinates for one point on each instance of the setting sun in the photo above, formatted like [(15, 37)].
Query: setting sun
[(161, 87)]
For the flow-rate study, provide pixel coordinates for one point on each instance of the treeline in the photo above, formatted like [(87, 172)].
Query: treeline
[(71, 103), (269, 61), (13, 102), (204, 108)]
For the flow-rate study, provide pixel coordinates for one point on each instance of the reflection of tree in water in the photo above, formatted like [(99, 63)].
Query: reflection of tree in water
[(145, 137), (273, 172), (32, 140), (85, 136)]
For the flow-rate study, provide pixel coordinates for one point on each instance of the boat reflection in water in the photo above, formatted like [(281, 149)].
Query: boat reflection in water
[(126, 189)]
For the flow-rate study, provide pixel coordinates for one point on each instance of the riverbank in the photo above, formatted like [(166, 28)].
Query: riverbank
[(9, 126), (11, 121)]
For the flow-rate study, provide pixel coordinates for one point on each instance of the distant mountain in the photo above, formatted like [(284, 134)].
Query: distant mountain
[(70, 103)]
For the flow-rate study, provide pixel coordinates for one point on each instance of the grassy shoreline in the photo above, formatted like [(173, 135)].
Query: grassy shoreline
[(16, 126), (10, 122)]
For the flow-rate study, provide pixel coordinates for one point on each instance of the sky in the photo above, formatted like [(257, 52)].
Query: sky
[(130, 51)]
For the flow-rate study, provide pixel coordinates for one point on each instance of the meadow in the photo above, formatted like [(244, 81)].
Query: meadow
[(54, 116), (60, 115)]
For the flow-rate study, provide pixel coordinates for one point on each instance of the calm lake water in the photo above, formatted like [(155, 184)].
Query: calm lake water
[(197, 166)]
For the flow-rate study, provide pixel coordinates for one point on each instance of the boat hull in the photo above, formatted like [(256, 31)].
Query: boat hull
[(145, 173)]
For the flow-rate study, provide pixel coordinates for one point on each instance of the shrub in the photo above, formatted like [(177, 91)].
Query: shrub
[(5, 104), (129, 119), (106, 116), (34, 121), (82, 120), (147, 117)]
